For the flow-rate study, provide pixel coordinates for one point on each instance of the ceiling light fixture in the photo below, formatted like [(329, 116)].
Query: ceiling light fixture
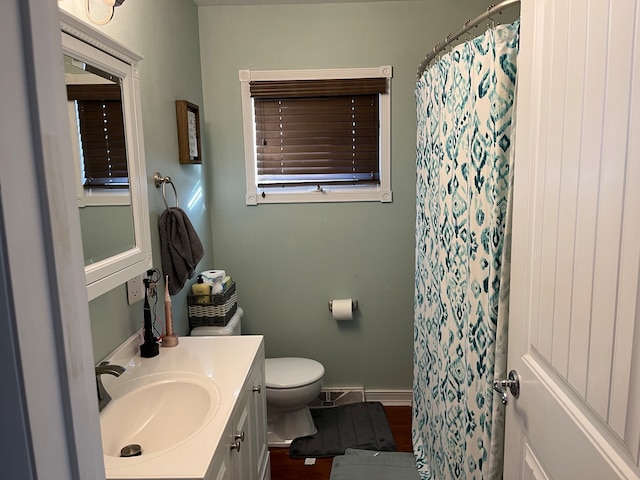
[(111, 3)]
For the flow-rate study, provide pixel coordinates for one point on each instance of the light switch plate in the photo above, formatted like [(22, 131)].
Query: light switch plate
[(135, 290)]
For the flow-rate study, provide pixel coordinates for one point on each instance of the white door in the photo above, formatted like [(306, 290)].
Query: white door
[(575, 294)]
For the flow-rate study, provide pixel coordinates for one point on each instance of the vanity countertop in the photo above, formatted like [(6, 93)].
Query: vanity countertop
[(225, 360)]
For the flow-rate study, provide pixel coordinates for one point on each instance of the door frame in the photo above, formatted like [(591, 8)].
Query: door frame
[(44, 250)]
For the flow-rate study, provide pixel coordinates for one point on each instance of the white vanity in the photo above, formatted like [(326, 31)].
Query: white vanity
[(198, 411)]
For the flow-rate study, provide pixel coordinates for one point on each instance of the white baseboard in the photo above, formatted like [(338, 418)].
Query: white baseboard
[(390, 398)]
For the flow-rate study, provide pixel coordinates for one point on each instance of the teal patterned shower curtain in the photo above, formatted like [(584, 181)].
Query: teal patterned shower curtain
[(465, 137)]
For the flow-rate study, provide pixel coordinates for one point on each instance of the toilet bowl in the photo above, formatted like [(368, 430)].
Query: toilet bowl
[(291, 384)]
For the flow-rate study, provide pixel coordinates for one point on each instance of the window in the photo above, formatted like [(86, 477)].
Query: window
[(317, 135), (100, 135)]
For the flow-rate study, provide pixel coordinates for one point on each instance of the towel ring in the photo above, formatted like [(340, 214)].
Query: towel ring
[(161, 181)]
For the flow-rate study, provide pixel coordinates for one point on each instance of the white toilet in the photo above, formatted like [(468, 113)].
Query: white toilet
[(291, 382)]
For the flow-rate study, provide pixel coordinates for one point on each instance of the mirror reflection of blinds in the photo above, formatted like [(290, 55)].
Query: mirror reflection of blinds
[(102, 136), (317, 132)]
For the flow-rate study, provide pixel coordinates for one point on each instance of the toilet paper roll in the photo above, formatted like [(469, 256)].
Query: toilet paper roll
[(213, 276), (342, 309)]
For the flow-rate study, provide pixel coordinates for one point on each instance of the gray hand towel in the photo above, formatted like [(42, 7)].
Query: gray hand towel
[(180, 247)]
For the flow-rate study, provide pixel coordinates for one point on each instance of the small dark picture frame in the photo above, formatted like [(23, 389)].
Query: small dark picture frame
[(189, 147)]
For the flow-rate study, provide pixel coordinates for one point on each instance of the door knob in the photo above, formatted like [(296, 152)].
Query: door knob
[(512, 383)]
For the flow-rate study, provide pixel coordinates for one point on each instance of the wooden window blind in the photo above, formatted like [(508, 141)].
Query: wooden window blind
[(102, 135), (317, 132)]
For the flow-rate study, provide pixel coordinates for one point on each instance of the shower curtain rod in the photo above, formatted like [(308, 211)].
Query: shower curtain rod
[(466, 26)]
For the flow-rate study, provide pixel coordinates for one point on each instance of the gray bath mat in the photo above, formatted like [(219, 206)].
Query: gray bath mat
[(362, 425), (364, 465)]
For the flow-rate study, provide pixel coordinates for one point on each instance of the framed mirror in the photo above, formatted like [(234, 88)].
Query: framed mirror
[(105, 128)]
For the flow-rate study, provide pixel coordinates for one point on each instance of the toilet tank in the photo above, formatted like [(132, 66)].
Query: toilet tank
[(231, 328)]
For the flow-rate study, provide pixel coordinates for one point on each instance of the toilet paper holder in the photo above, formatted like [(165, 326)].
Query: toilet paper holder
[(354, 305)]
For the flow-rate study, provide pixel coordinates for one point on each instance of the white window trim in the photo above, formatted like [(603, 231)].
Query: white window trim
[(360, 193)]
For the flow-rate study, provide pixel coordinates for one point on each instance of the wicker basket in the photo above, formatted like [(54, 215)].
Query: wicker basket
[(212, 310)]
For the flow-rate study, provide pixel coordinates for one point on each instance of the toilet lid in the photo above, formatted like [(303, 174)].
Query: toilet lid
[(291, 372)]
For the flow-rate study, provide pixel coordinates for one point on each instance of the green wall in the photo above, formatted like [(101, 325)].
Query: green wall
[(289, 260)]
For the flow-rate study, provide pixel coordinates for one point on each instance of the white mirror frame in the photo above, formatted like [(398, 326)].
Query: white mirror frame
[(88, 44)]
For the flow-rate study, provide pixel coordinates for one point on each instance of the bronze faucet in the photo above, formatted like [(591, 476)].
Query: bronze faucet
[(105, 367)]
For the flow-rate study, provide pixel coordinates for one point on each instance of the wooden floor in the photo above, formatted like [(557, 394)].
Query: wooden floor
[(285, 468)]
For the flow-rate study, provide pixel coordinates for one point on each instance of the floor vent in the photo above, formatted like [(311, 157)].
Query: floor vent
[(333, 397)]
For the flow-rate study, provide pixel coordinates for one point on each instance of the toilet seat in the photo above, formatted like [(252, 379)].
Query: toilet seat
[(291, 372)]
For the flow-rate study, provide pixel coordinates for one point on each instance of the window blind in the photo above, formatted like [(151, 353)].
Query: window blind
[(317, 132), (102, 136)]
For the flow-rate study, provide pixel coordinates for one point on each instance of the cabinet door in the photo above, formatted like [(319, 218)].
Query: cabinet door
[(259, 421), (243, 455), (222, 467), (225, 470)]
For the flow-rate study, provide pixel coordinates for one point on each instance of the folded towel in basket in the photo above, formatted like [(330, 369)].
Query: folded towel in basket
[(180, 247)]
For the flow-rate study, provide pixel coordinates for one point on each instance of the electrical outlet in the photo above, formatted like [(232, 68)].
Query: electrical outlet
[(135, 290)]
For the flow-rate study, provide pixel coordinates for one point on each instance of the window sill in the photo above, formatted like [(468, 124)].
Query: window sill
[(325, 195), (104, 199)]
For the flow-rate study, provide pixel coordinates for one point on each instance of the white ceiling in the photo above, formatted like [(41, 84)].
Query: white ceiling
[(202, 3)]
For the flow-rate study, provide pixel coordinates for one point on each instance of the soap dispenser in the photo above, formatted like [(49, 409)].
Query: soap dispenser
[(201, 290)]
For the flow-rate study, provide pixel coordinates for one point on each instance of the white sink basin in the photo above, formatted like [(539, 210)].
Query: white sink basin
[(157, 411), (176, 406)]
